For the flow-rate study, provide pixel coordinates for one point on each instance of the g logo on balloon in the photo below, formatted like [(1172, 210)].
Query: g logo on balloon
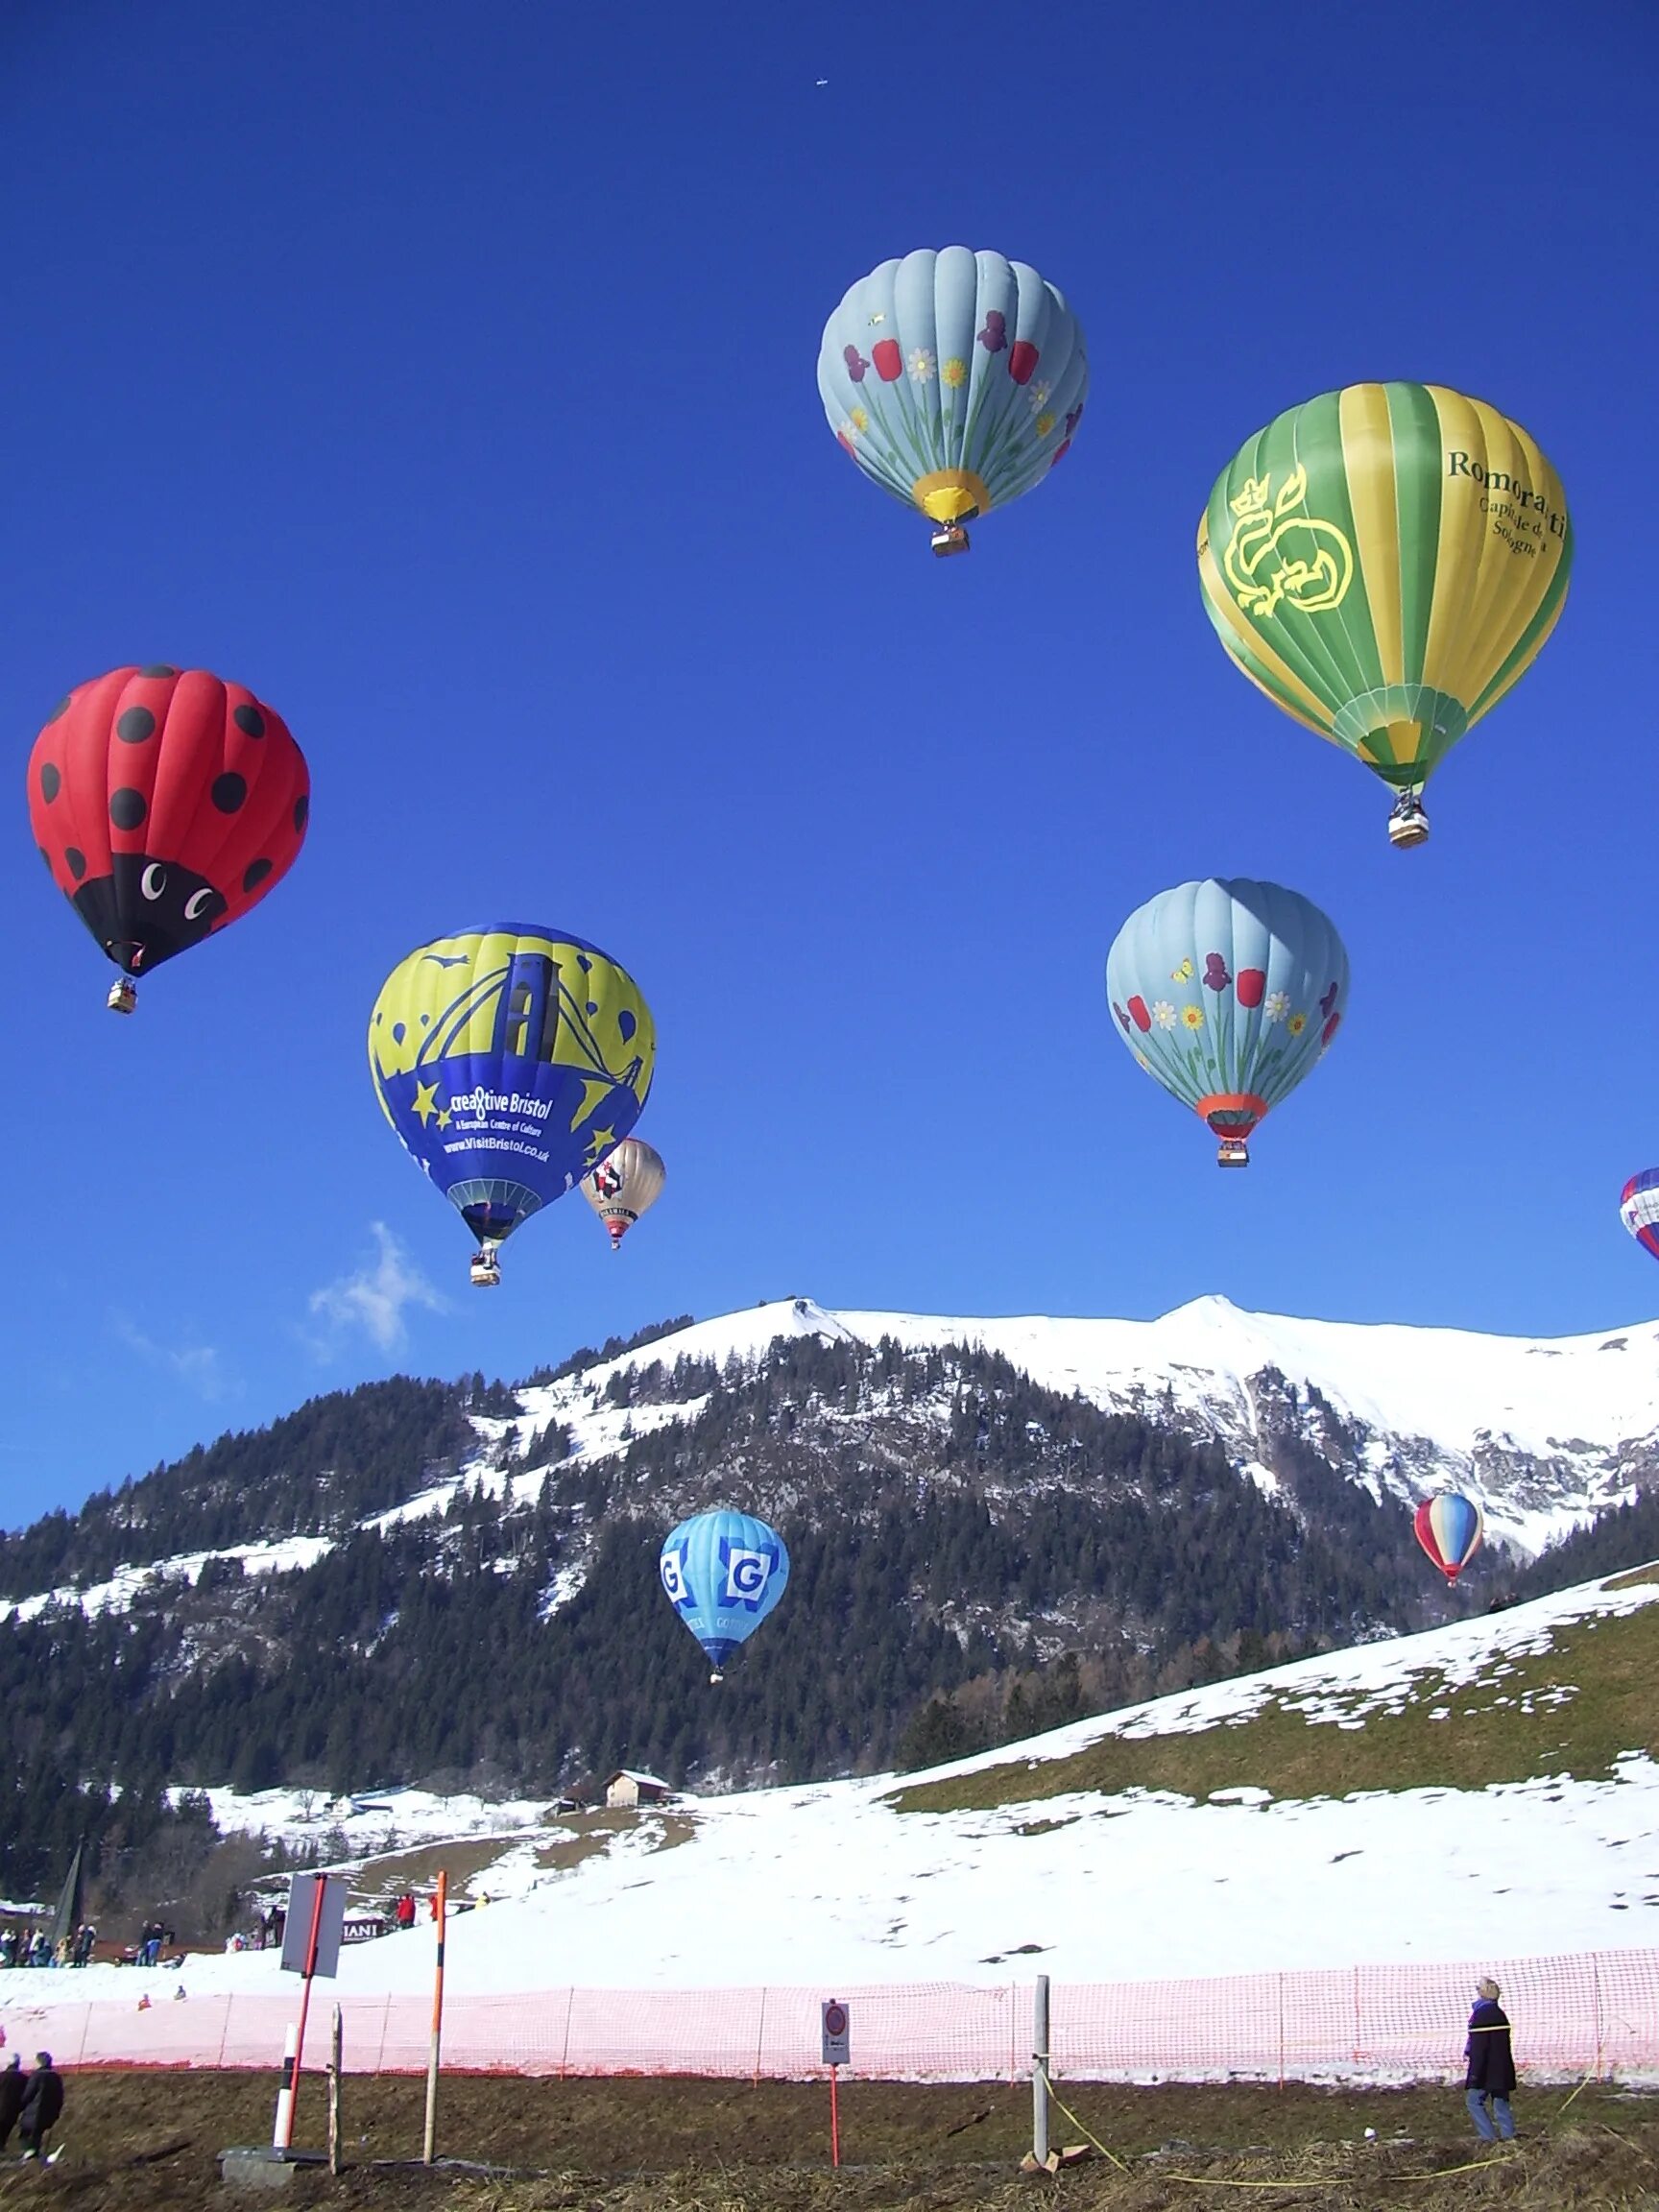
[(747, 1575), (673, 1569)]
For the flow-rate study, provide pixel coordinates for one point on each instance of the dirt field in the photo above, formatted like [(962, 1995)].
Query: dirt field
[(138, 2141)]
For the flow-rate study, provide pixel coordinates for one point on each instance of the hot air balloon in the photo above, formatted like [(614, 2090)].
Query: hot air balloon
[(724, 1571), (1384, 561), (165, 804), (955, 380), (1639, 1208), (1228, 994), (509, 1059), (626, 1184), (1450, 1528)]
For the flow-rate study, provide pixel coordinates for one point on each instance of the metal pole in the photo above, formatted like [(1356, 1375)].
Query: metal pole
[(834, 2120), (1040, 2073), (440, 1906), (285, 2120)]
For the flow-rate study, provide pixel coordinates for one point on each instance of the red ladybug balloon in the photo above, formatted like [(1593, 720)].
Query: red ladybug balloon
[(165, 804)]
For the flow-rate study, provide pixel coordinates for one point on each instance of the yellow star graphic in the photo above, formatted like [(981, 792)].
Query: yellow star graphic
[(444, 1119), (425, 1102), (601, 1141)]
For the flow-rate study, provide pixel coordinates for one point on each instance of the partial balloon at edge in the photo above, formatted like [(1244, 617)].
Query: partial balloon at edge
[(1639, 1208)]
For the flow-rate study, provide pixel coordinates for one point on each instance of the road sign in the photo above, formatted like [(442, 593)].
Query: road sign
[(837, 2033), (297, 1929)]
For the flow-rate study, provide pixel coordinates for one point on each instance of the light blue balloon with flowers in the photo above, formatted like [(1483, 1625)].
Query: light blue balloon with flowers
[(724, 1572)]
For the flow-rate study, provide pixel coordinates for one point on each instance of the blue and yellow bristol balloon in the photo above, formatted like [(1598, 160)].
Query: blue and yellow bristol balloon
[(509, 1060)]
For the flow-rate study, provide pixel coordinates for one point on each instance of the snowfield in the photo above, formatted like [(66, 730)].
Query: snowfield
[(831, 1884)]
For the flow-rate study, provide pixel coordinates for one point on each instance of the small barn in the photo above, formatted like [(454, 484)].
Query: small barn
[(626, 1791)]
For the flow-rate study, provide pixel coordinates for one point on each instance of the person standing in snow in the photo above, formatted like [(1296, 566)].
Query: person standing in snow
[(10, 2098), (1490, 2079), (42, 2103)]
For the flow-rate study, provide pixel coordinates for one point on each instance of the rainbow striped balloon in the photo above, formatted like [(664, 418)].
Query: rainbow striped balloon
[(1450, 1530)]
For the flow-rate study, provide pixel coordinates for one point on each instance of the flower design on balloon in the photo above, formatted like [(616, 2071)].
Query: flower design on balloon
[(1141, 1020), (855, 363), (1215, 975), (995, 335), (954, 372), (1278, 1005), (1193, 1017), (921, 364), (1164, 1014), (1296, 1024)]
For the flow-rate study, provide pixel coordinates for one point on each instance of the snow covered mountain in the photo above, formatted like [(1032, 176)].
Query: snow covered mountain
[(1545, 1432)]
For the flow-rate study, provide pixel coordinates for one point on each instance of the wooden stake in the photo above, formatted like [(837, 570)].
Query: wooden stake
[(336, 2043), (441, 1906)]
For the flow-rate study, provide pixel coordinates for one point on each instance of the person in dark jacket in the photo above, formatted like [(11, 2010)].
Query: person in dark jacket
[(10, 2098), (1491, 2074), (42, 2103)]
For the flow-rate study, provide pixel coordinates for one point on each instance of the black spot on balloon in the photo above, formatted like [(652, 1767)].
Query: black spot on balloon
[(626, 1025), (61, 708), (254, 873), (51, 782), (250, 721), (301, 808), (158, 668), (135, 725), (229, 791), (44, 854), (77, 860), (584, 963), (592, 1005), (128, 808)]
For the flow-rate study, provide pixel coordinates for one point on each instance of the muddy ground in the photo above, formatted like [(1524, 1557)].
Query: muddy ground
[(135, 2141)]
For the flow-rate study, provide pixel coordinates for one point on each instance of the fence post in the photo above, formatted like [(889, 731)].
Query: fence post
[(564, 2054), (335, 2064), (1357, 2035), (1280, 1978), (759, 2039), (1039, 2072), (1595, 1986)]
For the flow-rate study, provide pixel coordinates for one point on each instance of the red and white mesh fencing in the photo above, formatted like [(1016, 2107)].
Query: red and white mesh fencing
[(1587, 2013)]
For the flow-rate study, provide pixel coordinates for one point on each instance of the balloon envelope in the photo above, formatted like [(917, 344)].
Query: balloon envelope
[(167, 803), (509, 1059), (724, 1571), (1384, 561), (626, 1184), (1228, 992), (955, 379), (1450, 1530), (1639, 1208)]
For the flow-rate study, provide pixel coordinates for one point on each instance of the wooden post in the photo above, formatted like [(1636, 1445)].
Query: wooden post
[(1040, 2073), (441, 1905), (335, 2052), (834, 2120)]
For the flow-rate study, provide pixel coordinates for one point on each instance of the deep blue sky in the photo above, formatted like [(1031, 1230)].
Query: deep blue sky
[(446, 374)]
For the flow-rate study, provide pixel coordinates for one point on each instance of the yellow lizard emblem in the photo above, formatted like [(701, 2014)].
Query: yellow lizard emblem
[(1311, 579)]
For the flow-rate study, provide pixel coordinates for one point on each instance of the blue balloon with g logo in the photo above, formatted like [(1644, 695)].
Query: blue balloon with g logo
[(724, 1571)]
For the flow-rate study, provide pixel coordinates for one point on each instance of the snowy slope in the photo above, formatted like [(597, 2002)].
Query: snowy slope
[(834, 1883)]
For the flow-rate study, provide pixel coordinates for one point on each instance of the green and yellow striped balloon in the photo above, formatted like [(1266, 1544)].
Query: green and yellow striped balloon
[(1384, 561)]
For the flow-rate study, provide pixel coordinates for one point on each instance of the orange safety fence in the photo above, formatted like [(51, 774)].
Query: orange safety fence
[(1586, 2013)]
